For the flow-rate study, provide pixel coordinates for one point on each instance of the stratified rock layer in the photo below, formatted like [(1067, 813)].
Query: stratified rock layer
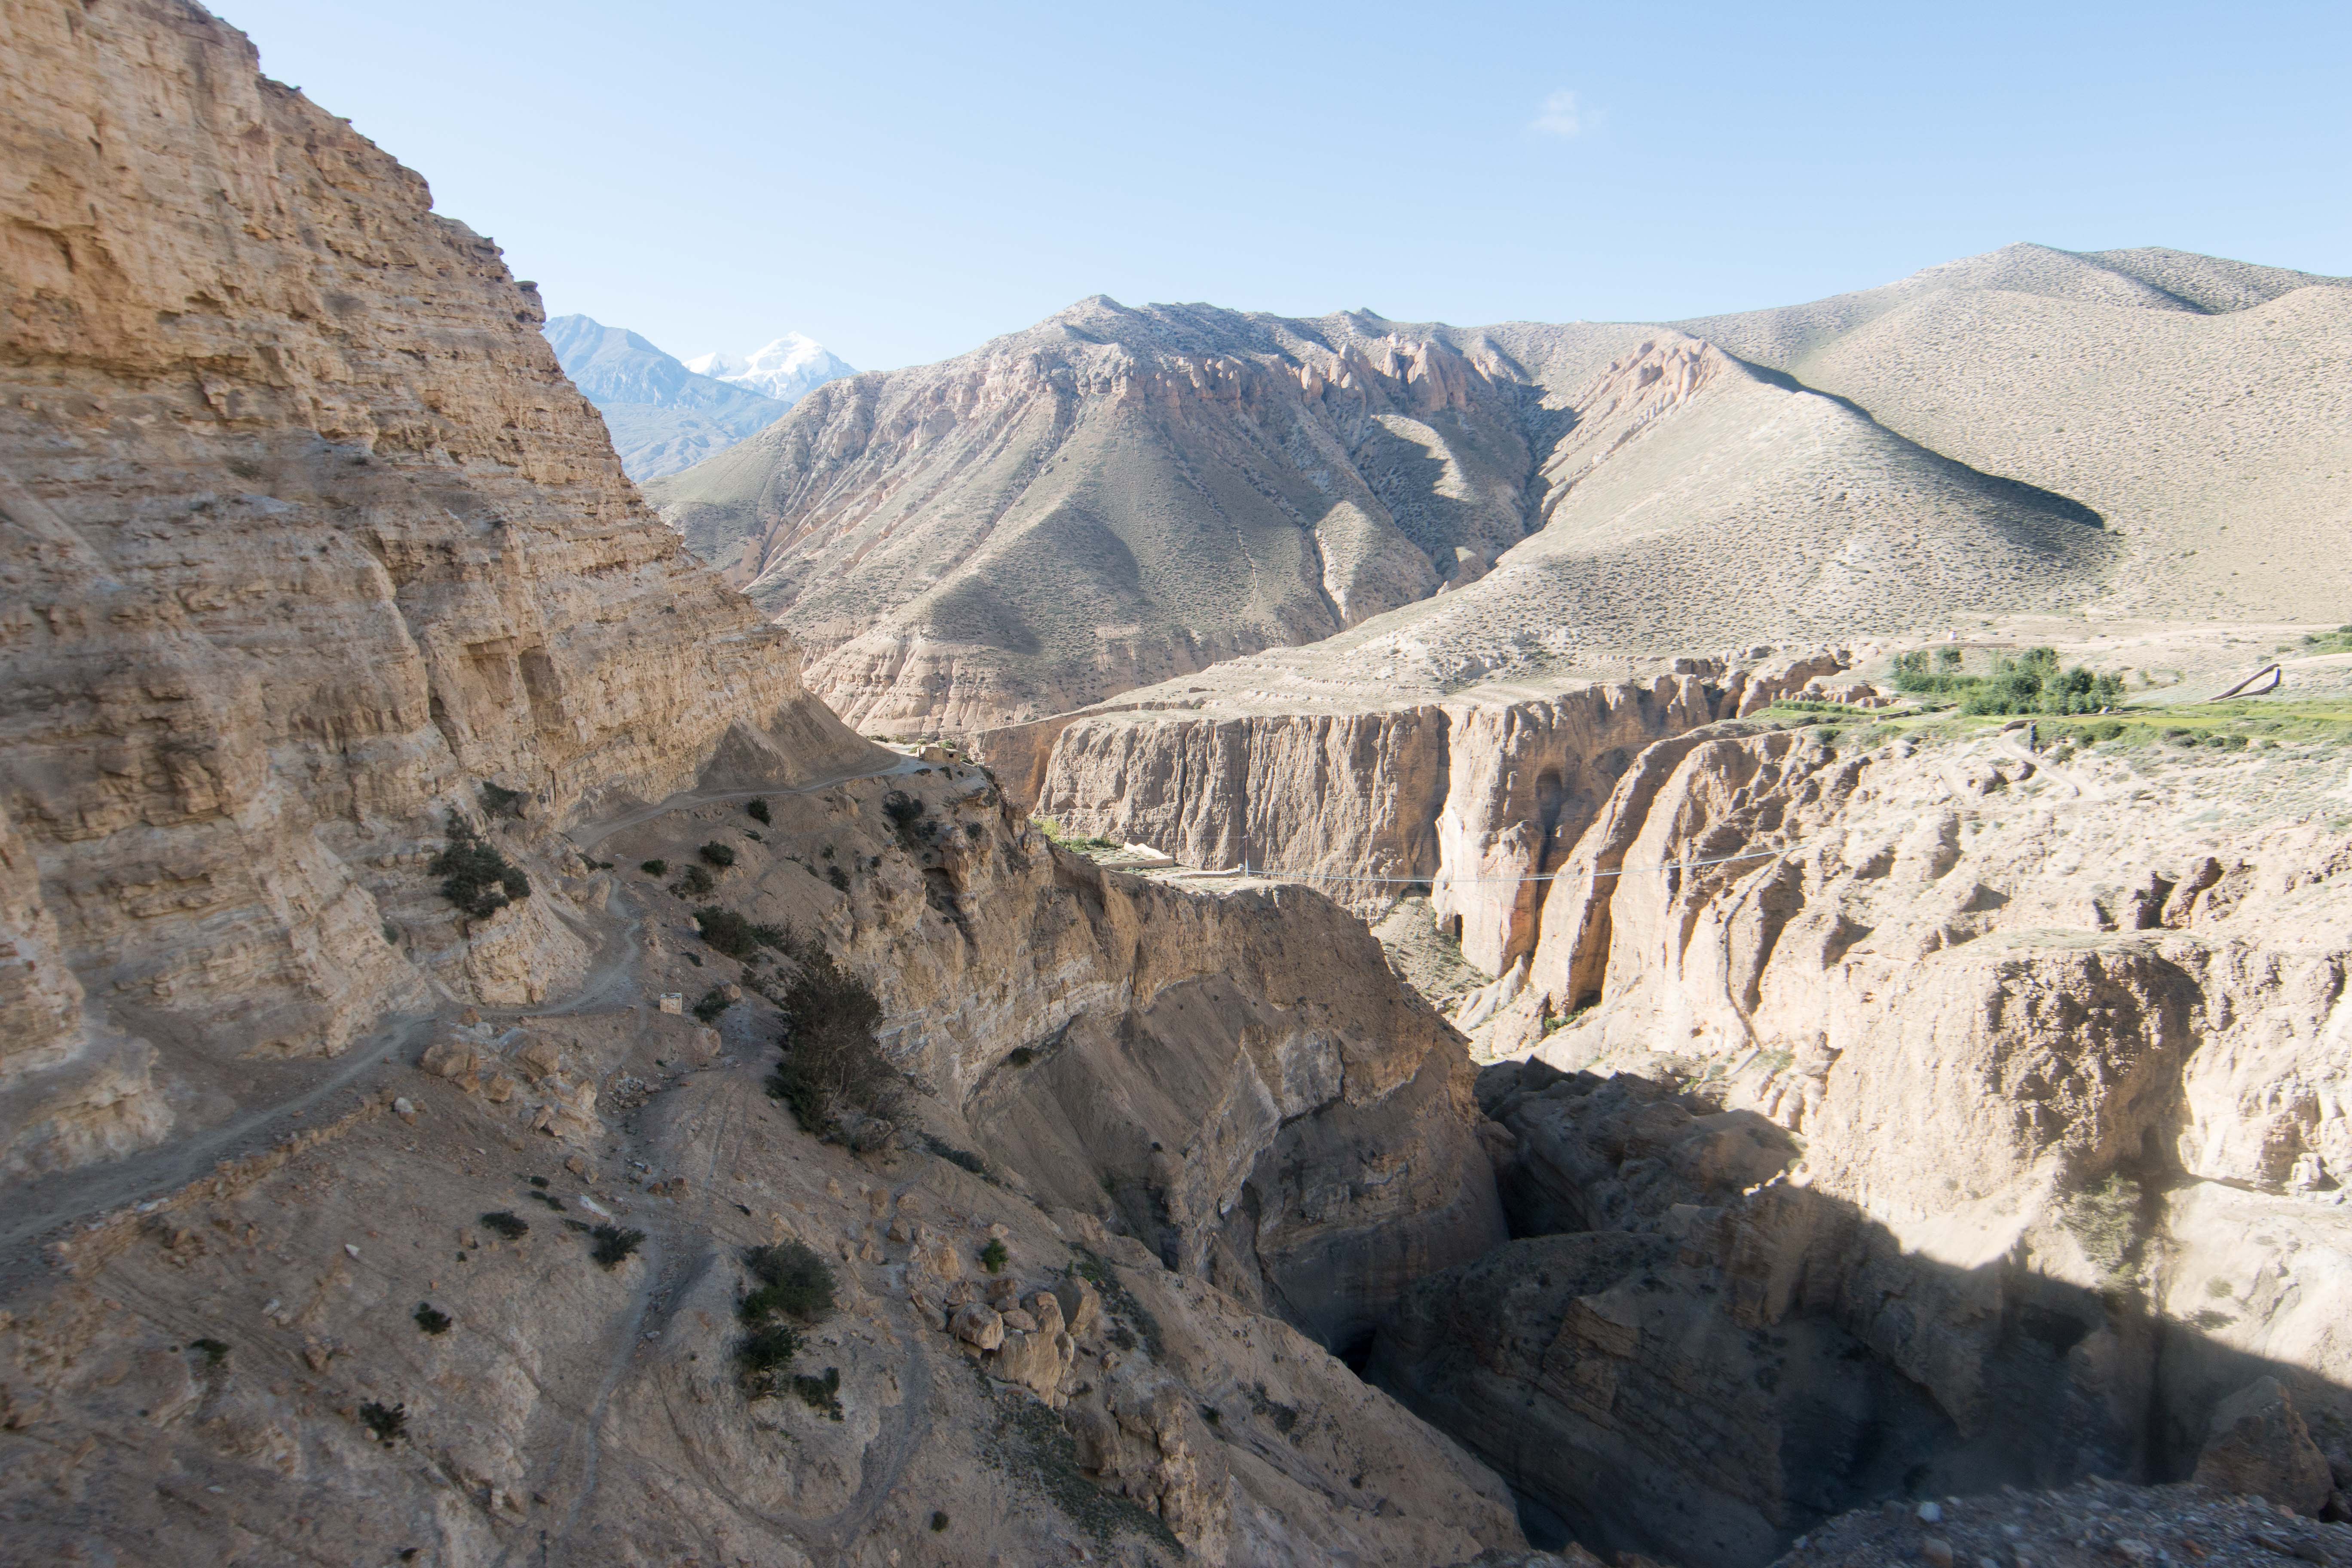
[(306, 539), (1988, 1129)]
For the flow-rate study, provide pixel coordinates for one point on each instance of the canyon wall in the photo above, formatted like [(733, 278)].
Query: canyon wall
[(1470, 797), (307, 539), (1986, 1126), (1182, 1065)]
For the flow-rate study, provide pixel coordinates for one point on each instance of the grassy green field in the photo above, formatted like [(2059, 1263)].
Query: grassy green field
[(2254, 722)]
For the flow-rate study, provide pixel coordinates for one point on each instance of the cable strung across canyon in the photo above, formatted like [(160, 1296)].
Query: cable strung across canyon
[(1244, 870)]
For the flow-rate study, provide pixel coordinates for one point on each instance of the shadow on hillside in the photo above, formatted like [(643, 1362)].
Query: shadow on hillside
[(2017, 492), (1657, 1363)]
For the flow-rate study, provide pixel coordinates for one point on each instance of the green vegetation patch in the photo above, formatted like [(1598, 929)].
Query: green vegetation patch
[(474, 876), (833, 1068), (388, 1422), (2031, 682), (790, 1287), (736, 937), (793, 1281), (2105, 1220), (1118, 1301), (2337, 641), (613, 1245), (1083, 843), (821, 1394)]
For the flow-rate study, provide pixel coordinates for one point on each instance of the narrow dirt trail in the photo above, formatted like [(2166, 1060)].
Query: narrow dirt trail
[(43, 1208)]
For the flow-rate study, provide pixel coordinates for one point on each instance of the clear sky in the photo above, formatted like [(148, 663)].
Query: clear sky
[(904, 181)]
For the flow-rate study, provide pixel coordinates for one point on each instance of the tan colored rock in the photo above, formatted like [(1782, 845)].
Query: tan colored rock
[(1034, 1361), (1081, 1304), (2258, 1444), (296, 463), (978, 1326)]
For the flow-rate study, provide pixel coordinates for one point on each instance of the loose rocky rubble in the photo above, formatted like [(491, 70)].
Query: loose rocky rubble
[(2092, 1524)]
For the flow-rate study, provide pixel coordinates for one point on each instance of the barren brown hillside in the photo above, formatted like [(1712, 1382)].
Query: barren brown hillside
[(1119, 496)]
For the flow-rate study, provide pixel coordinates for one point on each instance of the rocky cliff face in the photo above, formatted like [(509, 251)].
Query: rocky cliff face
[(1985, 1126), (1155, 1165), (1473, 795), (306, 541), (344, 675)]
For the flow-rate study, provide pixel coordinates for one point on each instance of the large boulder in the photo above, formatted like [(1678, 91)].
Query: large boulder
[(2258, 1444)]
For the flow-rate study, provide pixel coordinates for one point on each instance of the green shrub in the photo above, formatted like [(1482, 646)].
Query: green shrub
[(1084, 844), (821, 1393), (474, 876), (2106, 1219), (388, 1422), (431, 1320), (214, 1351), (938, 1523), (502, 802), (736, 937), (963, 1158), (993, 1257), (695, 883), (758, 810), (793, 1280), (717, 854), (507, 1224), (613, 1246), (2031, 683), (832, 1066), (763, 1358), (714, 1001), (2337, 641), (390, 933), (838, 877), (655, 867), (906, 814)]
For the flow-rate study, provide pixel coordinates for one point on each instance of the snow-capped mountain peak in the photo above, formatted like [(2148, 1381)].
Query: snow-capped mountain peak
[(785, 368)]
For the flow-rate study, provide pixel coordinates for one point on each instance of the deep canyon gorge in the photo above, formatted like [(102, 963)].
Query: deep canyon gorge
[(1357, 943)]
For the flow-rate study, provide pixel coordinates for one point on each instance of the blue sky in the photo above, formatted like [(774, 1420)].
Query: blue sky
[(902, 182)]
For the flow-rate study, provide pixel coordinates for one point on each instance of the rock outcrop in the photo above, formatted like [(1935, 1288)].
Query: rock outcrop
[(1473, 795), (1180, 1064), (1986, 1128), (307, 542), (503, 1305)]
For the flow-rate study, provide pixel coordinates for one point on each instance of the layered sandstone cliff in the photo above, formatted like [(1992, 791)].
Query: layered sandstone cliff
[(317, 569), (1156, 1165), (307, 539), (1985, 1126), (1473, 795)]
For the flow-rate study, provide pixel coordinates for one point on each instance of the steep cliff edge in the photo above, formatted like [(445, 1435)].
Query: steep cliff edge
[(344, 674), (1984, 1124), (307, 539), (1474, 794)]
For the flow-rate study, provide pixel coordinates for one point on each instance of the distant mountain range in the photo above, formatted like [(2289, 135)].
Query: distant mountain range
[(666, 414), (1121, 496)]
